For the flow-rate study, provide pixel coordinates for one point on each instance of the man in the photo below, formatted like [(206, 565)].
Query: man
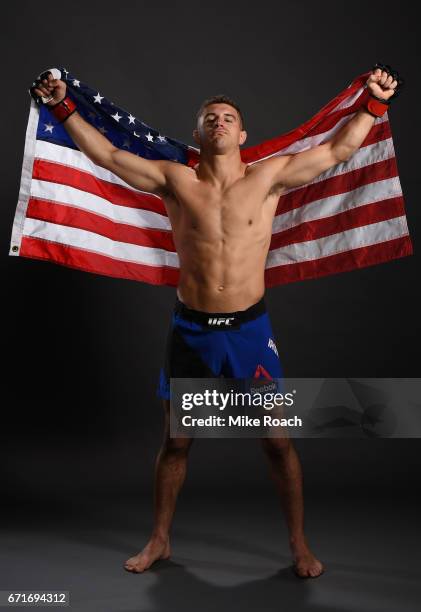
[(221, 214)]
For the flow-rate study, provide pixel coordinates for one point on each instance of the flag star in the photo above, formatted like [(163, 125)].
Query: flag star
[(76, 83), (98, 98), (162, 138), (117, 117), (127, 143), (137, 135), (149, 137), (49, 127), (131, 118), (102, 130), (66, 71)]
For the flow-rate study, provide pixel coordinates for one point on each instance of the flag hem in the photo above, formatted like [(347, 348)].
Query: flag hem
[(26, 180)]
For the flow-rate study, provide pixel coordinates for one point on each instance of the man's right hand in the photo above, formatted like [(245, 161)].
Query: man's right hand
[(50, 87)]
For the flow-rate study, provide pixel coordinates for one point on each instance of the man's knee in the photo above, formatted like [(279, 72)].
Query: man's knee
[(174, 447), (177, 447), (276, 447)]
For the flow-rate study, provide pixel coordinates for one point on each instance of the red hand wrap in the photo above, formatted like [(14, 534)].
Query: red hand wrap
[(63, 109), (375, 107)]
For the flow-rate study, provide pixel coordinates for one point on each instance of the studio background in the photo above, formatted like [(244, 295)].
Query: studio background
[(82, 352)]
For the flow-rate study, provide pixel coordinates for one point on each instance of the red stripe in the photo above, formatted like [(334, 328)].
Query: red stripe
[(338, 184), (97, 264), (80, 179), (355, 217), (342, 262), (55, 212)]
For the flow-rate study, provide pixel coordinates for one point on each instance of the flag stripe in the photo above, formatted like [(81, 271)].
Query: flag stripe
[(84, 180), (355, 217), (74, 217), (98, 205), (353, 238), (94, 262), (340, 262), (83, 239)]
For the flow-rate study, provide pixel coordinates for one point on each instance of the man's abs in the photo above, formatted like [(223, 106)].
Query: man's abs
[(221, 275)]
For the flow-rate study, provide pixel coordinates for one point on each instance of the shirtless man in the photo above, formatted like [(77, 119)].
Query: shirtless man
[(221, 214)]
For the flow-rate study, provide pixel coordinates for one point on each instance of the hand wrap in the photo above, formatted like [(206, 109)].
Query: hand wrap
[(377, 106)]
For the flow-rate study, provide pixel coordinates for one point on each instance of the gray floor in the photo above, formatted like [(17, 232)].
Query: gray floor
[(228, 554)]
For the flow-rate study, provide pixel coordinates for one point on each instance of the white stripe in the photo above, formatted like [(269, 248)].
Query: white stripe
[(374, 233), (78, 160), (94, 243), (70, 196)]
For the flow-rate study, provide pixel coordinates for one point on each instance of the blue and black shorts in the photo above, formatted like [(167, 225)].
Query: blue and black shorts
[(213, 344)]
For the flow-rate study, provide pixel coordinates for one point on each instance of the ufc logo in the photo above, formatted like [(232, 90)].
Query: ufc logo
[(221, 321)]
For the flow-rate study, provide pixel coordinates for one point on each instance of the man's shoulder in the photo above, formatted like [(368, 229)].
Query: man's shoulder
[(267, 169), (175, 169)]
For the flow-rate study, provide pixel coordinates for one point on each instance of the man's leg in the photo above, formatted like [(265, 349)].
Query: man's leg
[(285, 469), (170, 473)]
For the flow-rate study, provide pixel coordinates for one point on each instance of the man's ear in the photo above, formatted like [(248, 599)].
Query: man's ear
[(196, 136), (243, 136)]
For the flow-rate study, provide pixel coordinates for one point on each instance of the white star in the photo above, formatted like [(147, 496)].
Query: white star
[(49, 127), (131, 118), (117, 117), (162, 138), (127, 143), (149, 137), (137, 135), (98, 98), (66, 71), (102, 130), (76, 83)]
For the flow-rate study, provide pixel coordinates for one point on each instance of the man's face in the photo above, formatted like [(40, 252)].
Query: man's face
[(219, 128)]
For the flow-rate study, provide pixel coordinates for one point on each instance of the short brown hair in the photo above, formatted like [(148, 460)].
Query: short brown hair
[(221, 99)]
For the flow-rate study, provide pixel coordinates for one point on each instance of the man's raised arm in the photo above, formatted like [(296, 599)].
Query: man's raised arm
[(144, 174), (300, 168)]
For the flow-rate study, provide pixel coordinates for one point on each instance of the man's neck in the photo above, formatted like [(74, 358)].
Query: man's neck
[(220, 170)]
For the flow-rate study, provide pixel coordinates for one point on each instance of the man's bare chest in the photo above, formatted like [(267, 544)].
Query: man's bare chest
[(245, 203)]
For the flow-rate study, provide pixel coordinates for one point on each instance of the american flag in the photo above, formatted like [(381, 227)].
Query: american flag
[(75, 213)]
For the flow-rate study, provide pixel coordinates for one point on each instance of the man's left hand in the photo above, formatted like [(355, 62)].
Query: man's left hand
[(382, 82)]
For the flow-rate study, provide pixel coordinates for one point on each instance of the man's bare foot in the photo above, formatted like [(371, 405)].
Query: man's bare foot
[(305, 563), (156, 548)]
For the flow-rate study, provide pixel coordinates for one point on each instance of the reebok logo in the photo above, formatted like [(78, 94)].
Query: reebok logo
[(218, 321), (272, 346)]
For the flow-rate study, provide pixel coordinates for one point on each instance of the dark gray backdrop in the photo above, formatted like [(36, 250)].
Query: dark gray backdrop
[(82, 352)]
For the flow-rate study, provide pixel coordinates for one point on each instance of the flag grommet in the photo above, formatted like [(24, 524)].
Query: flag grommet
[(15, 249)]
